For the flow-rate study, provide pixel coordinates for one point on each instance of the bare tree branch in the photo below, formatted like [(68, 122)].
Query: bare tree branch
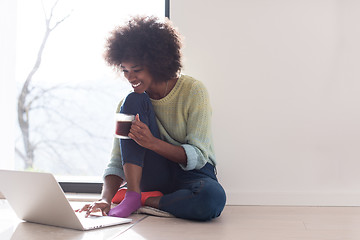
[(44, 11), (52, 9), (20, 154), (57, 23), (24, 105)]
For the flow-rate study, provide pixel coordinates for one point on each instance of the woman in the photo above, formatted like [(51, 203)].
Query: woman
[(171, 149)]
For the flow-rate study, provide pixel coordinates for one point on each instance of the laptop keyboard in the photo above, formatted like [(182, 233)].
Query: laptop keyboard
[(96, 221)]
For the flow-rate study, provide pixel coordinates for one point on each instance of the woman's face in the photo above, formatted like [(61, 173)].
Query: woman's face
[(138, 76)]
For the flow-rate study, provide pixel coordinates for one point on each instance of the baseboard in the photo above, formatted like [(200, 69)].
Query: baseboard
[(294, 199)]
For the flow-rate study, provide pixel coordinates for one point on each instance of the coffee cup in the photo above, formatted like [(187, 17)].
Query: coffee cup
[(123, 125)]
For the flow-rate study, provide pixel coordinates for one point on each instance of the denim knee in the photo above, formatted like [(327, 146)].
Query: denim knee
[(211, 199), (135, 103), (140, 103)]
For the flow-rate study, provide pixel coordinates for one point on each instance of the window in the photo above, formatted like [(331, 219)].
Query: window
[(66, 95)]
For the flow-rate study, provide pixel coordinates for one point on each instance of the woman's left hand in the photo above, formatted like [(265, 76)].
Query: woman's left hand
[(141, 133)]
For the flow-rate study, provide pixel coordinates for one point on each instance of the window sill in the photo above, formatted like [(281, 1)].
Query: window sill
[(82, 197), (76, 197)]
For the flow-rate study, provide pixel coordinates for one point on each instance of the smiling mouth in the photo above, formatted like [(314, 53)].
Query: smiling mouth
[(136, 85)]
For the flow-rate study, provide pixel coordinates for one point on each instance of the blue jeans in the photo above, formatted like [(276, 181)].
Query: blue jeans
[(194, 194)]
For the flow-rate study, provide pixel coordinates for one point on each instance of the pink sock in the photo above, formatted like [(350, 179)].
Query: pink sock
[(130, 204)]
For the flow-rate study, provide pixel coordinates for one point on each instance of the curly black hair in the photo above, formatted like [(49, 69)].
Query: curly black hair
[(147, 41)]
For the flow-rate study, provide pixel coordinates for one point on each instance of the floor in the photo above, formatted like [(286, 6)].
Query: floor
[(236, 222)]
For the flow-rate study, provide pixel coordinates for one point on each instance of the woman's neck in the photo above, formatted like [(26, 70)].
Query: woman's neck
[(161, 90)]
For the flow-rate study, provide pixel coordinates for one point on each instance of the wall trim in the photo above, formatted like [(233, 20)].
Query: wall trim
[(294, 199)]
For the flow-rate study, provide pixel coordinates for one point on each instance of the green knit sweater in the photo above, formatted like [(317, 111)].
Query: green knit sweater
[(184, 119)]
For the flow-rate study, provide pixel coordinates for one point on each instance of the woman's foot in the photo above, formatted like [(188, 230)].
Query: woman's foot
[(131, 203)]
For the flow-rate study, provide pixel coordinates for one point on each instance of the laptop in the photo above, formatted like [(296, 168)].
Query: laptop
[(38, 198)]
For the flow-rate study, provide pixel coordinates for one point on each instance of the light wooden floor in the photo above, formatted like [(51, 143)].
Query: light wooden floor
[(257, 223), (236, 222)]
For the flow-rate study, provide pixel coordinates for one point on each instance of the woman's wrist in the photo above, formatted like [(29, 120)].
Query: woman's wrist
[(155, 145), (104, 199)]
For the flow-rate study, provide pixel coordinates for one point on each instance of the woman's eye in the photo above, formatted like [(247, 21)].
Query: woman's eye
[(138, 70)]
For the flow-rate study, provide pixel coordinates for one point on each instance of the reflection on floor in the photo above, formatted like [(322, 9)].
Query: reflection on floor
[(236, 222)]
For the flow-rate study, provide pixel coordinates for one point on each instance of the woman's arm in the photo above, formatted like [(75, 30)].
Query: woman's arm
[(110, 187), (173, 153), (140, 133)]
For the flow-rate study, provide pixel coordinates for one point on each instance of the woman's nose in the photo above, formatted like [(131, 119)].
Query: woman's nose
[(131, 76)]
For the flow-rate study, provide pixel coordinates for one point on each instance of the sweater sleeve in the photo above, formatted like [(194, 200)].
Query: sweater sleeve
[(115, 165), (198, 144)]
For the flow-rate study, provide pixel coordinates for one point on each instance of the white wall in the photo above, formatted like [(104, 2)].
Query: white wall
[(284, 81), (7, 81)]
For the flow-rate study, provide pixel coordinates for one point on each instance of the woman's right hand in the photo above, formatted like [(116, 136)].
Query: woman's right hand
[(98, 206), (110, 188)]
